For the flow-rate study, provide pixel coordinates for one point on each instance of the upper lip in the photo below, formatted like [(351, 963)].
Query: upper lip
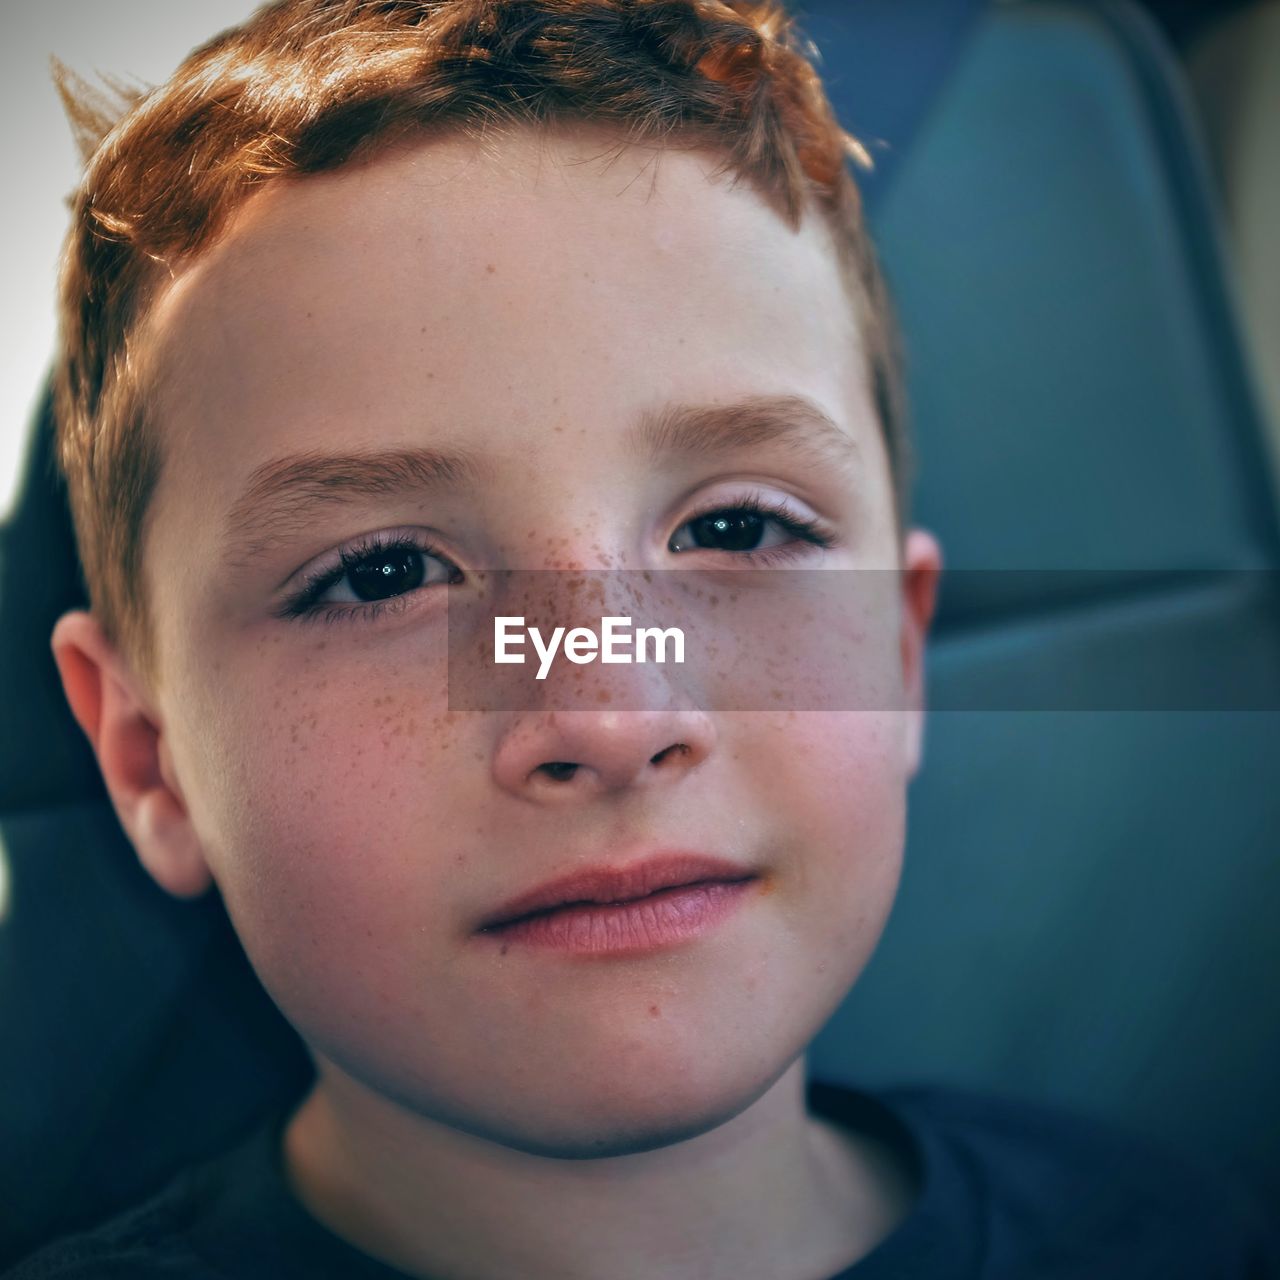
[(604, 883)]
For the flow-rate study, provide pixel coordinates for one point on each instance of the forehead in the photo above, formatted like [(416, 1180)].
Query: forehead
[(453, 292)]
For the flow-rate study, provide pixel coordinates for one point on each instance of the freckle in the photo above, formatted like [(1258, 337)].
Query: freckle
[(490, 268), (503, 952)]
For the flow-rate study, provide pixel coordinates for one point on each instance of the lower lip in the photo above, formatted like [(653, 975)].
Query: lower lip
[(662, 919)]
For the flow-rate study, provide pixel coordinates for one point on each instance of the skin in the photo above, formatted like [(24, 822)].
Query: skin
[(477, 1112)]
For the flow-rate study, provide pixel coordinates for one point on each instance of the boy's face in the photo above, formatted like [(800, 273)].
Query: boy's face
[(525, 308)]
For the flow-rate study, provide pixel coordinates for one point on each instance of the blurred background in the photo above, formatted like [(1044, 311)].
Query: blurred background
[(1075, 203)]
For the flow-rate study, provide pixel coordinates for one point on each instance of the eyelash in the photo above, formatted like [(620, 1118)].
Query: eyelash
[(304, 604)]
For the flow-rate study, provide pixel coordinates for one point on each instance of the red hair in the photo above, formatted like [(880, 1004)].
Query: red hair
[(305, 85)]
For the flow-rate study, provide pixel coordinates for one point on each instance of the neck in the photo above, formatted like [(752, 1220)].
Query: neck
[(770, 1193)]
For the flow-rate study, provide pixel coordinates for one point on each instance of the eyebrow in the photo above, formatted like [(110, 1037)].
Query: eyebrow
[(793, 423), (283, 494)]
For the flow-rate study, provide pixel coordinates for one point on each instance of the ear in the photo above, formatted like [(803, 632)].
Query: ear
[(921, 570), (128, 738)]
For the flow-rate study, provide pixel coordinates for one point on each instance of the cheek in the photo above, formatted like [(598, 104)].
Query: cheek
[(834, 784), (846, 769), (328, 821)]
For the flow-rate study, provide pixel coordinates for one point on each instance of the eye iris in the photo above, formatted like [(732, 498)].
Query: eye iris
[(737, 531), (388, 573)]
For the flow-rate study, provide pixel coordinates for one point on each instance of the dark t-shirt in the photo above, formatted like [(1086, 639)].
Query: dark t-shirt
[(1006, 1190)]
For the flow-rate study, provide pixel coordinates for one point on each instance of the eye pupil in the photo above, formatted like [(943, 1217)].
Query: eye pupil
[(737, 531), (391, 572)]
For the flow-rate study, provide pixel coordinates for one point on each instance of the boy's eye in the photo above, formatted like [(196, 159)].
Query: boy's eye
[(742, 528), (379, 573), (370, 577)]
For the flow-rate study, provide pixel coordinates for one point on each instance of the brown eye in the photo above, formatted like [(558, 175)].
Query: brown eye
[(743, 528), (369, 575), (387, 573), (732, 530)]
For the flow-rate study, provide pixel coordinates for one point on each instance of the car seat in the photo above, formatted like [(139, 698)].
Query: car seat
[(1092, 877)]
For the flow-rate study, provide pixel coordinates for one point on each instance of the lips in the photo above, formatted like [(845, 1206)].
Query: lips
[(613, 884)]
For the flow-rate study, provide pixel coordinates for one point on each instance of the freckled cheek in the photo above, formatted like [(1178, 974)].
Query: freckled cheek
[(329, 810)]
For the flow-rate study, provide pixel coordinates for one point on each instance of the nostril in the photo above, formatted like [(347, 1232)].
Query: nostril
[(666, 751), (560, 769)]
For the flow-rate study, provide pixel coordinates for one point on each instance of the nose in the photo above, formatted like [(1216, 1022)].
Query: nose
[(559, 757)]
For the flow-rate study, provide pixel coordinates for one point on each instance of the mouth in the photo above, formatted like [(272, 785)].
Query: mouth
[(614, 886)]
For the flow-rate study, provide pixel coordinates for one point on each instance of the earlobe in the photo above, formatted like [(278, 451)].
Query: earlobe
[(127, 738)]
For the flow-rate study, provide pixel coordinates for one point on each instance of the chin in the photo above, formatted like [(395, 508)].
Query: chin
[(608, 1120)]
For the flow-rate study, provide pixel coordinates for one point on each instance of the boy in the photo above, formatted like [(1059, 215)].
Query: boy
[(368, 300)]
